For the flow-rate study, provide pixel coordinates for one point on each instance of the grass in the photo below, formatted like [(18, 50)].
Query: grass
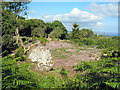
[(60, 53)]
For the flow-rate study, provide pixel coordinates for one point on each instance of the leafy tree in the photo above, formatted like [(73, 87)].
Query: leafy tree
[(38, 32), (75, 31), (58, 30), (32, 27), (49, 28), (86, 33), (10, 15), (56, 33), (83, 33)]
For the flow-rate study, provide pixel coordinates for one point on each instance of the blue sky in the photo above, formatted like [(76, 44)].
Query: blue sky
[(98, 16)]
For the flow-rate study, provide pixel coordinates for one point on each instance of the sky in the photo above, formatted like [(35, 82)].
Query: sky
[(98, 16)]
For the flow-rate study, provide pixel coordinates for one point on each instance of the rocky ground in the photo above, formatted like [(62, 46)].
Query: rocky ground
[(68, 55)]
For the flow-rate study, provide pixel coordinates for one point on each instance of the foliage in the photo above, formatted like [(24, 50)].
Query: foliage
[(32, 27), (43, 41), (83, 41), (10, 12), (26, 42), (83, 33), (86, 41), (75, 31), (16, 76), (8, 30), (38, 32), (58, 30), (111, 52), (63, 71), (19, 52), (99, 74), (56, 33), (106, 42), (51, 80), (86, 33)]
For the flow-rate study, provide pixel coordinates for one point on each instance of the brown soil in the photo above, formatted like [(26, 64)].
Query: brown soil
[(74, 58)]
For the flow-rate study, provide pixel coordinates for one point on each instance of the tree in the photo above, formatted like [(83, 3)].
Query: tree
[(75, 31), (56, 33), (86, 33), (49, 28), (38, 32), (58, 30), (10, 14)]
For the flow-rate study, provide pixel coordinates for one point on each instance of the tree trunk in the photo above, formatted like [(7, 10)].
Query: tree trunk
[(18, 37)]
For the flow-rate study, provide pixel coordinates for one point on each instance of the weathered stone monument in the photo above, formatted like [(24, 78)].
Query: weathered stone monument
[(42, 57)]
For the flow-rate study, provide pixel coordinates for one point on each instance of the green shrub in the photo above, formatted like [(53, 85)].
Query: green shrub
[(16, 76), (43, 41), (87, 41), (22, 58), (20, 52), (51, 80), (111, 52), (83, 41), (64, 72), (99, 74), (26, 42), (106, 43)]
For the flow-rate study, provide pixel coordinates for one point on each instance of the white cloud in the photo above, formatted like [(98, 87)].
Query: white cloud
[(105, 9), (83, 18), (75, 15), (99, 23)]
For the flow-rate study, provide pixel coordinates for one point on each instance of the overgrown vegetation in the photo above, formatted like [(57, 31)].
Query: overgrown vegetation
[(101, 74)]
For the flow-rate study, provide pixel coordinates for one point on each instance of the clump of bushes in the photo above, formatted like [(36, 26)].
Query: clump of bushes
[(111, 52), (42, 40), (63, 71), (19, 52), (106, 42), (19, 56), (26, 42), (83, 41)]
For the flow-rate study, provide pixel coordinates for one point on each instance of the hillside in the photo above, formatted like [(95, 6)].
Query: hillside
[(37, 54)]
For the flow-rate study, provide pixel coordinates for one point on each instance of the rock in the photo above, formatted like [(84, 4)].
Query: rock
[(42, 57)]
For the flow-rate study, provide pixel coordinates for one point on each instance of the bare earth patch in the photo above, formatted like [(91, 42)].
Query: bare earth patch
[(74, 55)]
